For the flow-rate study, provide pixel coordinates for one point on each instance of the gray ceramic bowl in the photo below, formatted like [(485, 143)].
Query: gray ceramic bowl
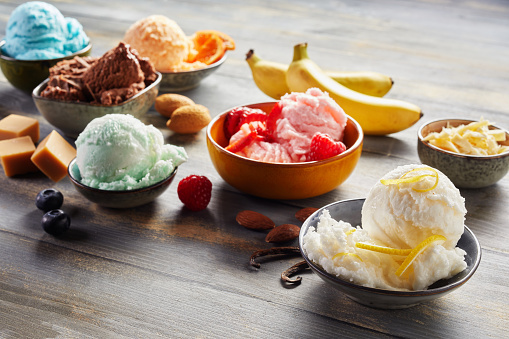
[(72, 117), (187, 80), (118, 199), (350, 211), (27, 74), (465, 171)]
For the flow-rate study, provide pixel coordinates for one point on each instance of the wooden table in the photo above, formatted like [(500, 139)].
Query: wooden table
[(163, 271)]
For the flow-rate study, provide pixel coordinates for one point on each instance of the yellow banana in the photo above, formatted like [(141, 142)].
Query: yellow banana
[(270, 77), (377, 116)]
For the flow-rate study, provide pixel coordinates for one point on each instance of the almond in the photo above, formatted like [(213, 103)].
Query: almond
[(166, 104), (189, 119), (254, 220), (304, 213), (283, 233)]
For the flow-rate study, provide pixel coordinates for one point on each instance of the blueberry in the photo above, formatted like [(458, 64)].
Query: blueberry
[(55, 222), (49, 199)]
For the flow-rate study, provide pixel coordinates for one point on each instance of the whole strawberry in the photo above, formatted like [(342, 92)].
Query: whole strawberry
[(195, 191), (323, 147)]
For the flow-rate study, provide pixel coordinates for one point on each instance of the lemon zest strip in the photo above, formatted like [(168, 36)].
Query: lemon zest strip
[(346, 254), (417, 178), (350, 232), (425, 244), (383, 249)]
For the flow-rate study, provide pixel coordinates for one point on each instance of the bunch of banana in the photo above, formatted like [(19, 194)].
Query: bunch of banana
[(377, 116), (270, 77)]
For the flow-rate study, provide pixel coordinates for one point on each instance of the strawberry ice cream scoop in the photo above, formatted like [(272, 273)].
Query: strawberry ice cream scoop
[(291, 127)]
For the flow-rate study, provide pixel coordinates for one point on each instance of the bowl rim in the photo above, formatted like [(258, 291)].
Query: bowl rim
[(358, 142), (70, 56), (79, 184), (379, 291), (420, 137), (214, 65), (37, 91)]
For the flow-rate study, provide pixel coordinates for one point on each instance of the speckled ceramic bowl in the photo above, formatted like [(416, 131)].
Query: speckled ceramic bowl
[(118, 199), (72, 117), (283, 181), (27, 74), (465, 171), (350, 211), (187, 80)]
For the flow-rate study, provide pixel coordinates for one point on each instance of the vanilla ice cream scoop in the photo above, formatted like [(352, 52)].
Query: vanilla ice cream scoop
[(402, 215), (119, 152)]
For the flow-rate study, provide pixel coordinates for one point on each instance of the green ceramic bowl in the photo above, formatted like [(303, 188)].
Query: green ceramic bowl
[(72, 117), (187, 80), (118, 199), (465, 171), (27, 74)]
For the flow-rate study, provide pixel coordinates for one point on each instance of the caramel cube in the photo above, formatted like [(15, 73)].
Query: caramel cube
[(15, 155), (53, 155), (14, 126)]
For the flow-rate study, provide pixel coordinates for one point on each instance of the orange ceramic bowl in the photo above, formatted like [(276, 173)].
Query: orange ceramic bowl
[(283, 181)]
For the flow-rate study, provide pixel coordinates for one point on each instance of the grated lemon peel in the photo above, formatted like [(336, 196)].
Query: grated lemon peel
[(350, 232), (414, 179), (425, 244), (341, 254)]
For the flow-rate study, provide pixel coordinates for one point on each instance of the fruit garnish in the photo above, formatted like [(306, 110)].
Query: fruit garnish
[(200, 37), (436, 239), (209, 51), (323, 147), (195, 192), (383, 249), (49, 199), (414, 179), (250, 134), (238, 117), (341, 254), (55, 222), (350, 232), (272, 118)]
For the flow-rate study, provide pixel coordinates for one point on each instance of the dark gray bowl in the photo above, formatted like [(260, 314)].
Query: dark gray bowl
[(350, 211), (118, 199), (465, 171), (72, 117), (187, 80), (27, 74)]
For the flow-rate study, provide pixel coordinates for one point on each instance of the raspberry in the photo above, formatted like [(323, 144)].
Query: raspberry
[(323, 147), (195, 191), (240, 116)]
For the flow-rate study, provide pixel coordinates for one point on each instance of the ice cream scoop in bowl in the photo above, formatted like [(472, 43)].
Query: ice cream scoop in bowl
[(118, 198), (282, 180), (350, 211), (28, 74)]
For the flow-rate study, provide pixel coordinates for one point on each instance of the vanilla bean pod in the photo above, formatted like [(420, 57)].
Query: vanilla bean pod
[(273, 251), (298, 267)]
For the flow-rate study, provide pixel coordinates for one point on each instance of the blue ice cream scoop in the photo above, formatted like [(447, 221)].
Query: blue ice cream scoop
[(38, 31)]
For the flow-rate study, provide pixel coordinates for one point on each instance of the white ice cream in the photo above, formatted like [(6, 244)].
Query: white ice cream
[(394, 216)]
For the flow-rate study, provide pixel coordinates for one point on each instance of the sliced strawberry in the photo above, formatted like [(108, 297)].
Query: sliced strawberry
[(240, 116), (250, 134), (274, 115), (323, 147)]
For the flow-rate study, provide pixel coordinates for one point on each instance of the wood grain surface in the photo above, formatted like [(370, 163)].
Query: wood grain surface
[(161, 271)]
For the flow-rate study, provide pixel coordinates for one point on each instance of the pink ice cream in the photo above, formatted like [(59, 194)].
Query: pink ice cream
[(302, 116)]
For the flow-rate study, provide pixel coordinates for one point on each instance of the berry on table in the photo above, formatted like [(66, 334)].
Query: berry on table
[(49, 199), (55, 222), (195, 191)]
